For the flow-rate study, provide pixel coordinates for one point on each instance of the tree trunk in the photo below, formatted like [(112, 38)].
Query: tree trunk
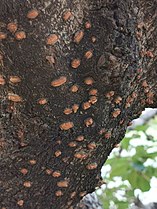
[(73, 74)]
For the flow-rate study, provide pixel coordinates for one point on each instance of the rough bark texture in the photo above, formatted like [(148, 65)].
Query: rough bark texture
[(45, 69)]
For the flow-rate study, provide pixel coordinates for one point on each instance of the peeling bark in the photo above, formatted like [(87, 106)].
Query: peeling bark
[(73, 74)]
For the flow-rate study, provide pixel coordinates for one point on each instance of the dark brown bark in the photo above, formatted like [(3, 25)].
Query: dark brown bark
[(43, 163)]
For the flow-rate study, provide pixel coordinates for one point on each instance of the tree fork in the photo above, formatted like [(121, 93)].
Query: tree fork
[(73, 75)]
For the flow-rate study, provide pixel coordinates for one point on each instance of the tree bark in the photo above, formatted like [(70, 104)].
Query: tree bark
[(73, 75)]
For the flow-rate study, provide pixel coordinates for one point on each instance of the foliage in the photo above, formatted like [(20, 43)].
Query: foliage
[(130, 167)]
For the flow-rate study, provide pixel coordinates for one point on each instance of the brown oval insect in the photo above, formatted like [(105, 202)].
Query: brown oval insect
[(88, 122), (75, 108), (62, 183), (93, 99), (20, 35), (66, 126), (88, 54), (52, 39), (91, 146), (67, 15), (93, 39), (58, 82), (118, 100), (75, 63), (89, 81), (14, 97), (42, 101), (72, 144), (74, 88), (58, 193), (78, 36), (86, 105), (2, 81), (116, 113), (81, 155), (80, 138), (12, 27), (58, 153), (32, 162), (32, 14), (20, 202), (56, 174), (68, 111), (14, 79), (27, 184), (3, 36), (24, 171), (93, 92), (92, 166)]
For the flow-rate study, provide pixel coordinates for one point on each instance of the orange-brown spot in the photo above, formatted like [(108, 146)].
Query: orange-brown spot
[(33, 162), (80, 138), (12, 27), (72, 144), (86, 105), (93, 99), (118, 100), (56, 174), (73, 194), (116, 113), (48, 171), (42, 101), (14, 97), (20, 202), (91, 146), (2, 81), (32, 14), (15, 79), (88, 25), (58, 82), (88, 122), (24, 171), (66, 126), (58, 153), (74, 88), (67, 15), (109, 94), (93, 39), (75, 63), (3, 36), (58, 193), (20, 35), (89, 81), (68, 111), (27, 184), (92, 166), (93, 92), (52, 39), (80, 155), (78, 36), (62, 183), (144, 84), (88, 54), (75, 108)]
